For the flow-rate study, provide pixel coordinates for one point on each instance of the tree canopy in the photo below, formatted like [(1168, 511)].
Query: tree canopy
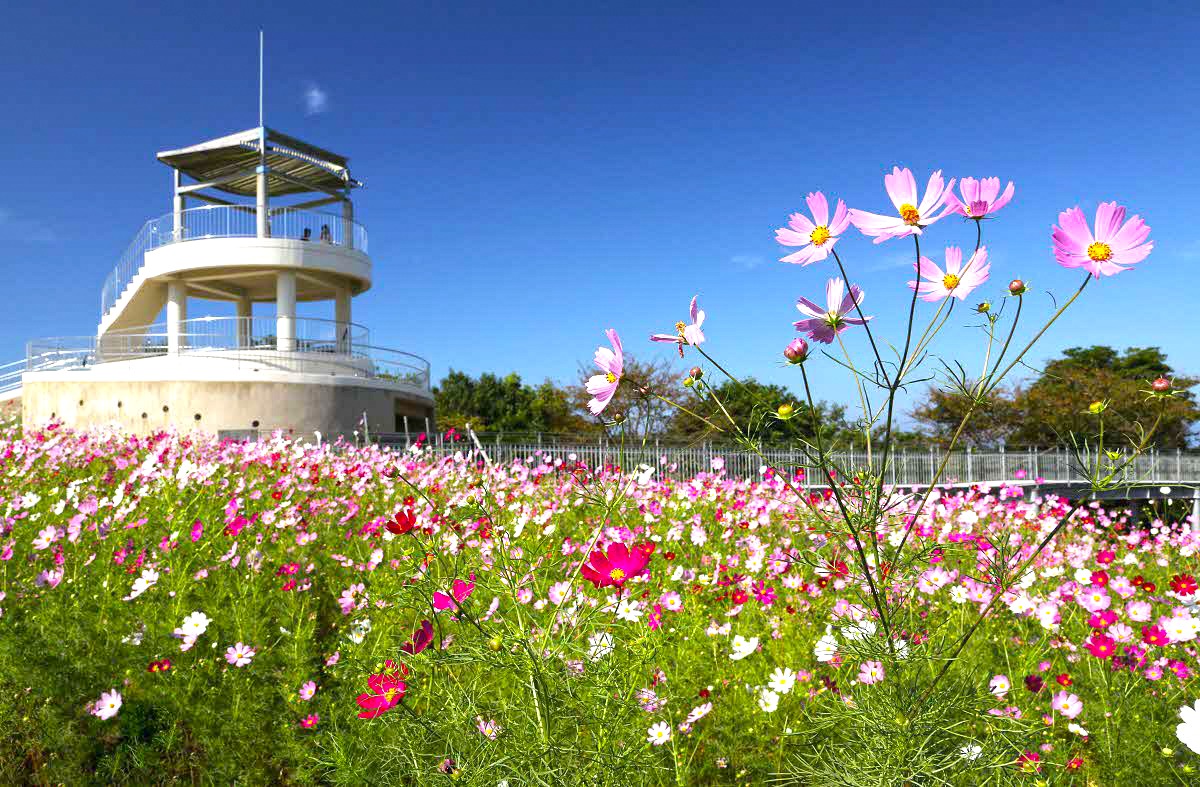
[(1054, 404)]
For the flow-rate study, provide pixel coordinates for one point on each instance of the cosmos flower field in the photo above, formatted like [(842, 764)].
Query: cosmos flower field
[(178, 609)]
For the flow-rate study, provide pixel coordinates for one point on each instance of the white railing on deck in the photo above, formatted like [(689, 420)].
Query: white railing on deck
[(227, 221), (319, 346)]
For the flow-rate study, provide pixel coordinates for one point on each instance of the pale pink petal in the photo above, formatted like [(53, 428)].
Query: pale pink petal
[(805, 306), (1005, 198), (953, 260), (841, 219), (786, 237), (833, 293), (819, 207), (801, 223)]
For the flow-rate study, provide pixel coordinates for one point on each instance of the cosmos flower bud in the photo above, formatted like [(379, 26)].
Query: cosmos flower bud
[(618, 418), (1017, 287), (695, 372), (796, 351), (688, 382), (1161, 385), (785, 411), (1095, 408), (984, 307)]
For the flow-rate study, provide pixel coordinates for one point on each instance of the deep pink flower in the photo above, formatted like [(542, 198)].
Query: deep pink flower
[(612, 363), (386, 691), (1100, 645), (824, 324), (1116, 245), (979, 197), (956, 280), (616, 565), (912, 216), (817, 236), (685, 334), (310, 721), (460, 590), (421, 639)]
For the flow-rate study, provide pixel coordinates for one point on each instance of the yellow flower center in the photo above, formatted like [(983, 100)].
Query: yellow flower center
[(1099, 251), (616, 575), (612, 378), (679, 326), (819, 235), (950, 281), (909, 213), (387, 695)]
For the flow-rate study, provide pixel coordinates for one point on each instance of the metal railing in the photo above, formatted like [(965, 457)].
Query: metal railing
[(319, 346), (226, 221), (908, 467)]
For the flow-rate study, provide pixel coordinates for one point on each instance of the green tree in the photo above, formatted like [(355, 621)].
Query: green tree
[(491, 403), (753, 406)]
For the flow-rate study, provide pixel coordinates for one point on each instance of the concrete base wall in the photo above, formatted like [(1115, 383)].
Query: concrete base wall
[(142, 406)]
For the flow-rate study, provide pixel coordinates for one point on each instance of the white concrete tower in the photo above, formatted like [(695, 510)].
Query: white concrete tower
[(257, 217)]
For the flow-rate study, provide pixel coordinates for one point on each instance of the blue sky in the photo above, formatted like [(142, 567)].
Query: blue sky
[(536, 174)]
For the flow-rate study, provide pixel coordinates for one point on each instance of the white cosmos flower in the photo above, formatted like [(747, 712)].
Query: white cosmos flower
[(782, 680), (658, 734), (743, 647), (195, 624), (826, 648), (1189, 731), (768, 701), (861, 629), (601, 645), (628, 610), (971, 752)]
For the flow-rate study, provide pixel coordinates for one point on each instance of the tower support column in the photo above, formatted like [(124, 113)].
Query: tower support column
[(341, 316), (347, 223), (245, 312), (262, 206), (285, 310), (176, 315)]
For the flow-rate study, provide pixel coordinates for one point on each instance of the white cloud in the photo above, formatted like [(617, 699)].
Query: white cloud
[(747, 261), (316, 100)]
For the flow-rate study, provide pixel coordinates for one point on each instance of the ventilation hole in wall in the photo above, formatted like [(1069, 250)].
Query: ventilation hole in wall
[(254, 424), (119, 405), (143, 415), (166, 409), (81, 403), (52, 416), (197, 416)]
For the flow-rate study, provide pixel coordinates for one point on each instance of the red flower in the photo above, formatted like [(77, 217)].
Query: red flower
[(421, 639), (1155, 635), (1064, 679), (159, 666), (1074, 764), (1149, 587), (403, 522), (1184, 584), (386, 691), (616, 565), (1029, 762), (1100, 645), (1100, 578)]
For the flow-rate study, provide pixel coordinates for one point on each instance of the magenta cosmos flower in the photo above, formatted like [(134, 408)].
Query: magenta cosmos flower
[(616, 565), (912, 214), (1116, 244), (824, 324), (612, 363), (815, 237), (385, 691), (956, 280), (684, 334), (421, 639), (459, 590), (979, 197)]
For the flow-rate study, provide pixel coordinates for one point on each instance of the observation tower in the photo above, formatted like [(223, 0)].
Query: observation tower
[(258, 218)]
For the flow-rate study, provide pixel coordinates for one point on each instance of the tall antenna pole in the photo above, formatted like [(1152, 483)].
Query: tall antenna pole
[(260, 77)]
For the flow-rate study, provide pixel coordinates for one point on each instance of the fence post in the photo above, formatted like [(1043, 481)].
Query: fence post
[(407, 442), (970, 468)]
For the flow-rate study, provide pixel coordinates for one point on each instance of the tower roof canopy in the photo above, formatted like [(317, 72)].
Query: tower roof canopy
[(293, 167)]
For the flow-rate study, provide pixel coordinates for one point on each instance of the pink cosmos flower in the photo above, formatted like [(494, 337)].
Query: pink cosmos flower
[(912, 215), (421, 639), (107, 706), (870, 672), (307, 690), (1116, 245), (956, 280), (616, 565), (1067, 704), (1100, 645), (385, 692), (824, 324), (816, 237), (612, 363), (978, 197), (460, 590), (239, 655), (684, 334), (310, 721)]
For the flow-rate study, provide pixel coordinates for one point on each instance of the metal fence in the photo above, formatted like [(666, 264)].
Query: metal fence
[(906, 466), (226, 221)]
